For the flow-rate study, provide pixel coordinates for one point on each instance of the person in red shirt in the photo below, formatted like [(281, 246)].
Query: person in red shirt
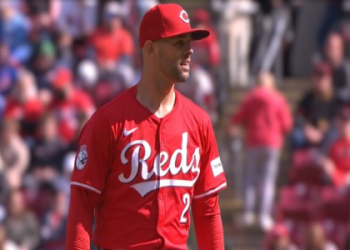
[(337, 164), (24, 104), (112, 43), (149, 155), (71, 106), (207, 50), (266, 117)]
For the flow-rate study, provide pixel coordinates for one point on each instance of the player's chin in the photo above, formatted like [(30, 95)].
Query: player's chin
[(183, 77), (181, 74)]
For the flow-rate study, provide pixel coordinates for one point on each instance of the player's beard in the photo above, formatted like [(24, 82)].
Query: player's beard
[(174, 71), (179, 74)]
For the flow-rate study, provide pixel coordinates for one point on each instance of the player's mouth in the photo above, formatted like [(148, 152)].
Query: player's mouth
[(185, 65)]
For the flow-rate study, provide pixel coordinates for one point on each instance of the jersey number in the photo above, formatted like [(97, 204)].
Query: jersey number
[(186, 201)]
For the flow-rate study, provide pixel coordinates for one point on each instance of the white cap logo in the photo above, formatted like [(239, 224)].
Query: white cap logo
[(82, 157), (184, 16)]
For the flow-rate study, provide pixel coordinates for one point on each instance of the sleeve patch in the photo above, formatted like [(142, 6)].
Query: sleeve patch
[(216, 167), (81, 158)]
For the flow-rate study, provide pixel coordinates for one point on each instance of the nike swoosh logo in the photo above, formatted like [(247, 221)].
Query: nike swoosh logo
[(129, 132)]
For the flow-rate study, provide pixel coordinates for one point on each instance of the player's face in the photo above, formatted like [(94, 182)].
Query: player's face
[(175, 57)]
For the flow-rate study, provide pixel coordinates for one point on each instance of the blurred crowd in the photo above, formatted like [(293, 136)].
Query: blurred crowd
[(61, 60), (312, 209)]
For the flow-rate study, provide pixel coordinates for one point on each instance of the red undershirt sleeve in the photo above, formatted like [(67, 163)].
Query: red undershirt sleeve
[(80, 217), (207, 223)]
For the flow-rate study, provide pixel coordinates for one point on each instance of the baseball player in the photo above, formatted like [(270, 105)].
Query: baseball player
[(149, 157)]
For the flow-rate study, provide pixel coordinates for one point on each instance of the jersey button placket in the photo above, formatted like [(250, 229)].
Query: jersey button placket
[(161, 203), (162, 136), (161, 211)]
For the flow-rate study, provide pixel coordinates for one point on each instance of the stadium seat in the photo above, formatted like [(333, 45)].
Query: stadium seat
[(304, 170), (335, 204), (335, 207), (297, 207), (310, 175), (336, 232)]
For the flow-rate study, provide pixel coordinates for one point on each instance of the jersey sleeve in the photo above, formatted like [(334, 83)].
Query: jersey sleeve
[(93, 157), (212, 177)]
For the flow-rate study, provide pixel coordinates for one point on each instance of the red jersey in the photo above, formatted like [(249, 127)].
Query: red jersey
[(110, 46), (147, 171), (29, 111), (68, 110), (340, 154), (266, 116)]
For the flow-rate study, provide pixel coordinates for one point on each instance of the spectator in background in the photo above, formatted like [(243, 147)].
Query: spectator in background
[(331, 18), (2, 107), (265, 115), (5, 243), (77, 18), (275, 23), (87, 75), (70, 105), (20, 223), (108, 86), (14, 31), (207, 50), (80, 49), (24, 104), (4, 190), (8, 73), (334, 53), (65, 53), (134, 11), (53, 228), (42, 27), (337, 164), (14, 153), (315, 112), (43, 63), (236, 36), (37, 6), (63, 183), (279, 239), (112, 43), (200, 89), (315, 239), (48, 151)]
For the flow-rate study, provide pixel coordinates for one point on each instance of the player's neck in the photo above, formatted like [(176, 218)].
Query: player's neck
[(157, 97)]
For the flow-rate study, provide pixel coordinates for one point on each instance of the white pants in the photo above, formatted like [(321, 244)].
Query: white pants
[(236, 35), (260, 170)]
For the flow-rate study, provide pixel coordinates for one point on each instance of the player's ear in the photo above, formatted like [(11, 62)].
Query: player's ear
[(149, 48)]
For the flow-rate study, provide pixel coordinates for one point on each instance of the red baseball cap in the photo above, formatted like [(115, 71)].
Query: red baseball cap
[(62, 77), (167, 20)]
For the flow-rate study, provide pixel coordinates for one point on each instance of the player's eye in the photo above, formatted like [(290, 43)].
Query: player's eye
[(180, 43)]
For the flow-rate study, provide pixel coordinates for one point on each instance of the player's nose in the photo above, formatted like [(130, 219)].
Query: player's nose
[(189, 50)]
